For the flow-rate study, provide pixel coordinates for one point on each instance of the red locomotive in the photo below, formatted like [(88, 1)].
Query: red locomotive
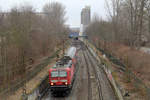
[(61, 75)]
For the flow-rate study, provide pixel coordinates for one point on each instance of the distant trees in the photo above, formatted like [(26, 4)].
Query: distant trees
[(128, 21), (148, 14), (55, 13), (54, 21), (99, 29), (26, 35), (136, 10)]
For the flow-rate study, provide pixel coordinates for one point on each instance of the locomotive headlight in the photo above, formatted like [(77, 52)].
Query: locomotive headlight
[(52, 83), (66, 83)]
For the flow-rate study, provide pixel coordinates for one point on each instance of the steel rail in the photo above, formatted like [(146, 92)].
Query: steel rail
[(89, 81), (96, 71)]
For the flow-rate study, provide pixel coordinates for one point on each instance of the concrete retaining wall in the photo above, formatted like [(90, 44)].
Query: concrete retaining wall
[(40, 90)]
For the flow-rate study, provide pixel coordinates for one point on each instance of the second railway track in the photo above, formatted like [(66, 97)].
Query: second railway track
[(93, 73), (104, 87), (89, 81)]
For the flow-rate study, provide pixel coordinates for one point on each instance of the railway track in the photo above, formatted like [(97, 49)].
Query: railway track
[(93, 71), (89, 80), (98, 78), (105, 89), (58, 98), (49, 96)]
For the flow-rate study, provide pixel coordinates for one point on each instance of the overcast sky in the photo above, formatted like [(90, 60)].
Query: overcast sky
[(73, 7)]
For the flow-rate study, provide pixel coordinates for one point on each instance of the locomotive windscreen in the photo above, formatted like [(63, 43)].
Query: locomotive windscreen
[(59, 73)]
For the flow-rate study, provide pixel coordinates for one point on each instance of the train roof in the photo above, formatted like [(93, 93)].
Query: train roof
[(71, 52), (65, 62), (59, 65)]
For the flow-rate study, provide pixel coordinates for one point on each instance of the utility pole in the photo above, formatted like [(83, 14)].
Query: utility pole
[(63, 47), (24, 94)]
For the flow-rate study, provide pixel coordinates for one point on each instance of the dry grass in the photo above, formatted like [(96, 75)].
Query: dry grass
[(138, 61), (134, 92)]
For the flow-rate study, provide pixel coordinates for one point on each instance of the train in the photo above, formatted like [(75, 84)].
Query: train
[(74, 35), (62, 74)]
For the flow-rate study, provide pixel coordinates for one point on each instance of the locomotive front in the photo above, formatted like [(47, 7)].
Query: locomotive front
[(61, 75), (59, 80)]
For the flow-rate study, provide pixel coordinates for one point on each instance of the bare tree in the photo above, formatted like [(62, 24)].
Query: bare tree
[(134, 12), (56, 12), (27, 35), (55, 15), (113, 8), (148, 13), (54, 19)]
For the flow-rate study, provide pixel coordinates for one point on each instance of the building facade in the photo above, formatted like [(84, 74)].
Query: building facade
[(85, 19), (85, 16)]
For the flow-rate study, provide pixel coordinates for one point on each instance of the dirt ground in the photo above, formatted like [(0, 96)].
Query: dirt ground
[(129, 91)]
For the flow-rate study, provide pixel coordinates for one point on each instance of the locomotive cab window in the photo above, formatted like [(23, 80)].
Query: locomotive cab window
[(62, 73), (54, 74), (59, 73)]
